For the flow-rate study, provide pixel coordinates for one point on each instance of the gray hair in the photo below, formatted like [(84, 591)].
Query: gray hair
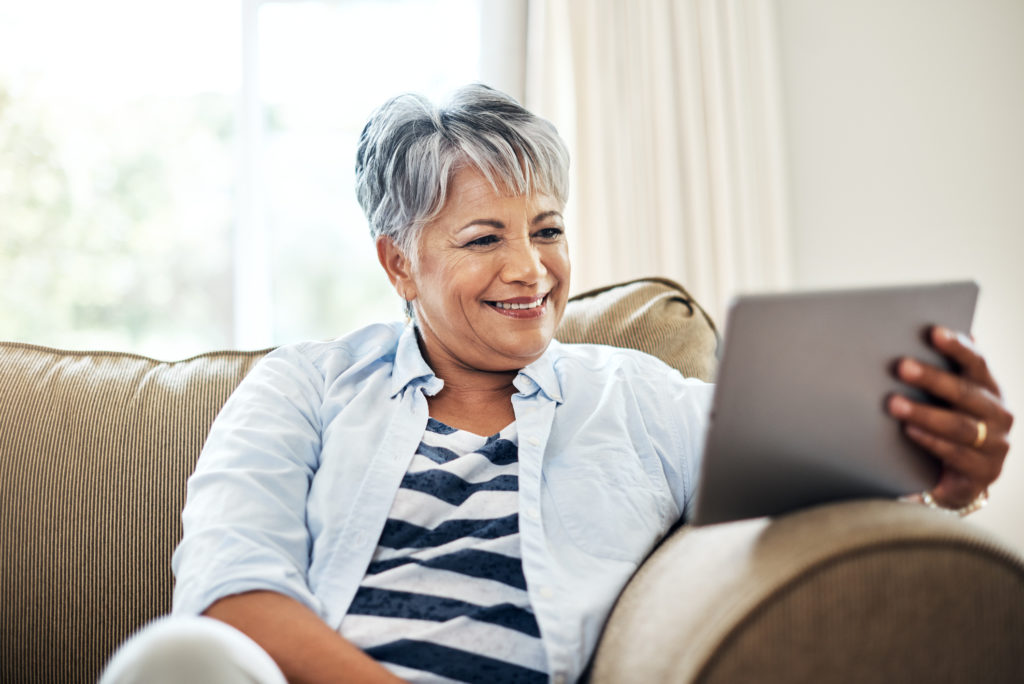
[(411, 148)]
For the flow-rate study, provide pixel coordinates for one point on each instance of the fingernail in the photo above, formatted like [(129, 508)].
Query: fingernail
[(899, 406), (910, 369), (915, 432), (943, 333)]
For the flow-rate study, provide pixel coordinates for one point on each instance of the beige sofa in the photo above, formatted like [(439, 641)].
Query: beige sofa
[(95, 449)]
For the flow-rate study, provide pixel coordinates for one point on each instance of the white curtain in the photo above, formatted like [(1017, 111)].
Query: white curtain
[(671, 112)]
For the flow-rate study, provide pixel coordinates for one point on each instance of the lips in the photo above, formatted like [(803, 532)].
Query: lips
[(521, 307), (517, 306)]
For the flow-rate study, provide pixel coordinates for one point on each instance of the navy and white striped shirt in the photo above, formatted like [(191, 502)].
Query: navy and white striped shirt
[(444, 597)]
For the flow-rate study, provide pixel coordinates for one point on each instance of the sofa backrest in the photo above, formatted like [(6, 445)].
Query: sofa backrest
[(96, 448)]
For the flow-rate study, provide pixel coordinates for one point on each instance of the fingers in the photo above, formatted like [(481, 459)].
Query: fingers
[(972, 455), (961, 349), (973, 391), (952, 426), (958, 452), (956, 390), (953, 436), (964, 475)]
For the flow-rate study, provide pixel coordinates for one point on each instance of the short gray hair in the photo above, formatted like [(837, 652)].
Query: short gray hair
[(411, 148)]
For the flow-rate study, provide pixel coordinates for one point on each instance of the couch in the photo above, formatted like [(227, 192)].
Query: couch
[(95, 449)]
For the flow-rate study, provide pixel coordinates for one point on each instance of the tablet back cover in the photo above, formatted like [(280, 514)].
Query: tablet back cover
[(799, 413)]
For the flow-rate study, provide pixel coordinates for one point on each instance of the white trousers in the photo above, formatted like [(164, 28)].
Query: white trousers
[(190, 650)]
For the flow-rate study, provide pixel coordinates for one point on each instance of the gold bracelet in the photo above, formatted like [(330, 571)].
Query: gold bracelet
[(979, 502)]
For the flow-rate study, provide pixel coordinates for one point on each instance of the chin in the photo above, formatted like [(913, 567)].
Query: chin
[(526, 354)]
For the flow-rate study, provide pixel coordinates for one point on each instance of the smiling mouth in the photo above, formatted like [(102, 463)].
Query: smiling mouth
[(520, 306)]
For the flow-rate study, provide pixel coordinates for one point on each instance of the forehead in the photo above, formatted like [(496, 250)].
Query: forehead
[(470, 195), (469, 185)]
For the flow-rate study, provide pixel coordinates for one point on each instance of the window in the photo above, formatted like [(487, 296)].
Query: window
[(179, 177)]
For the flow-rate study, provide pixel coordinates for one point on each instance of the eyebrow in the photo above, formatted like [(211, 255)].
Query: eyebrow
[(545, 215), (494, 223)]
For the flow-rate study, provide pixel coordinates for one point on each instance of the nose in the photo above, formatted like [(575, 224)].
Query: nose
[(523, 263)]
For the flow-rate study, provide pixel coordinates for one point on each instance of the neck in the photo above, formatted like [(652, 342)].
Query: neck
[(471, 382), (477, 401), (472, 399), (460, 378)]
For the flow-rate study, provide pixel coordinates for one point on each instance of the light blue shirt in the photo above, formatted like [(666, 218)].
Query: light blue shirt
[(297, 477)]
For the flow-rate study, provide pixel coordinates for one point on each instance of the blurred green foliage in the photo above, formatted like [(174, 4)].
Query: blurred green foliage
[(115, 222)]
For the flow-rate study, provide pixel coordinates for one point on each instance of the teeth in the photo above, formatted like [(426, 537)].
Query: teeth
[(532, 305)]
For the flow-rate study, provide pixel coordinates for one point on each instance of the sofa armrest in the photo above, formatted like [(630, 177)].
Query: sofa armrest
[(857, 591)]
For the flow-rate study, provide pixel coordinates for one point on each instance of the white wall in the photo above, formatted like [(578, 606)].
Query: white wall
[(503, 46), (905, 125)]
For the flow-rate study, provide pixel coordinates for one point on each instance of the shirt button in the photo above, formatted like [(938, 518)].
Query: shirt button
[(533, 441), (547, 592), (359, 539), (559, 678), (533, 513)]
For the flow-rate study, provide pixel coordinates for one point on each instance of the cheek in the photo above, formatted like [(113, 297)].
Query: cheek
[(558, 261), (473, 273), (442, 271), (462, 280)]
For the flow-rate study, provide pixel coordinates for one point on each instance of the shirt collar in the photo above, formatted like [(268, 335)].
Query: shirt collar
[(541, 375), (411, 369)]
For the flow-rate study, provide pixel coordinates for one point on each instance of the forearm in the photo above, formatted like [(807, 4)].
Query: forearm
[(302, 645)]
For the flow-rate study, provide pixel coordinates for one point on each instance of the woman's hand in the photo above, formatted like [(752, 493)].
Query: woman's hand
[(969, 435)]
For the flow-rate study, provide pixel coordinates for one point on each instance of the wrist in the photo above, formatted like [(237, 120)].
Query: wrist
[(979, 502)]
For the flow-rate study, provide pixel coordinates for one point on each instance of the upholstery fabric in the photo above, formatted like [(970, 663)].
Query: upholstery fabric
[(95, 449), (867, 591), (654, 315)]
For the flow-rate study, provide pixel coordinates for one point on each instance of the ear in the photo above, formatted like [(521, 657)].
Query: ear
[(397, 266)]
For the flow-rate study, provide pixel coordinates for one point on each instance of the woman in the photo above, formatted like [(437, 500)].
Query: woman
[(463, 496)]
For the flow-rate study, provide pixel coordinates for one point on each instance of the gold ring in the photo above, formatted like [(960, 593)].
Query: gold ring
[(982, 434)]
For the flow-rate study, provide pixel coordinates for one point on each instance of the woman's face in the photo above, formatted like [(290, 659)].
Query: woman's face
[(491, 278)]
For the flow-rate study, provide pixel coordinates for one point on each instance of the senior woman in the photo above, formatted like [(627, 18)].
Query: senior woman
[(461, 497)]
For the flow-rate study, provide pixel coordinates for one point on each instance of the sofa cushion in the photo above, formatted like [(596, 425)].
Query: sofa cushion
[(96, 447), (654, 315)]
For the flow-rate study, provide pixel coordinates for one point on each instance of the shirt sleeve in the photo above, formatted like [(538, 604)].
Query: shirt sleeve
[(680, 408), (244, 518), (693, 406)]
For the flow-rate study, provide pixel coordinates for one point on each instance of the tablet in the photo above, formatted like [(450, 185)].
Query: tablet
[(798, 417)]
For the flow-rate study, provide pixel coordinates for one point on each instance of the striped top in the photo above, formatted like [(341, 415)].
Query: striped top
[(444, 598)]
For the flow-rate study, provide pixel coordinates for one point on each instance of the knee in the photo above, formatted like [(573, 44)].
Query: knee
[(196, 650)]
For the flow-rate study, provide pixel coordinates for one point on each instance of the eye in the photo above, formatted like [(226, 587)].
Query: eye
[(484, 241), (549, 233)]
